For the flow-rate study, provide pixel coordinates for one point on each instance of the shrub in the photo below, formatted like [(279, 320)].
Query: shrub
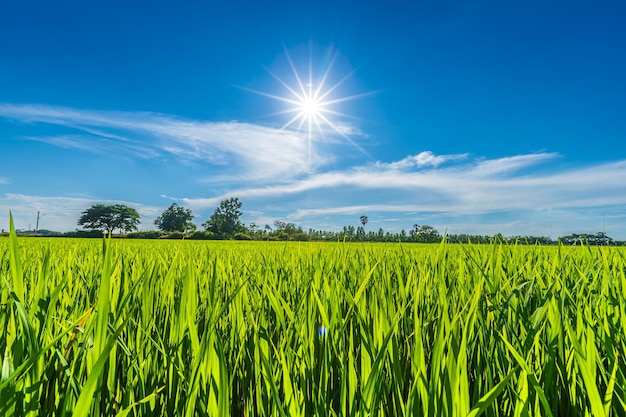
[(242, 236)]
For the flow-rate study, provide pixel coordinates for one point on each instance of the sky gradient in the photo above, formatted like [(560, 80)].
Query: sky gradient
[(473, 118)]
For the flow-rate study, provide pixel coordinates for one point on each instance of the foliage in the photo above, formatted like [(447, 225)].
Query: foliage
[(148, 234), (84, 234), (225, 220), (202, 235), (175, 219), (242, 236), (225, 223), (173, 235), (110, 218), (261, 329), (424, 234), (599, 238), (288, 231)]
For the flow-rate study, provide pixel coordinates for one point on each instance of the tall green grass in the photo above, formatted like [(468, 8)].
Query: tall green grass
[(129, 328)]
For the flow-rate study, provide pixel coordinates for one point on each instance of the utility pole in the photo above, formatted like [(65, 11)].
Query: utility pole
[(38, 216)]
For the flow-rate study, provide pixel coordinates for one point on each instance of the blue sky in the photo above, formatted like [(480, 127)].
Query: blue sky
[(473, 117)]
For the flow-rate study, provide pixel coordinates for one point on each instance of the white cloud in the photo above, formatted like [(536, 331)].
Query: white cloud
[(101, 146), (261, 152), (510, 164), (422, 159), (470, 197), (455, 187), (469, 188), (344, 129)]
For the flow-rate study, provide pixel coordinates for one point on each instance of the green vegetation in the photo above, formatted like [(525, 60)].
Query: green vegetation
[(109, 218), (176, 222), (192, 328), (175, 219), (224, 222)]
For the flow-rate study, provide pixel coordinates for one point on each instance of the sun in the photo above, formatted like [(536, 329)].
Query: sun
[(312, 103), (310, 107)]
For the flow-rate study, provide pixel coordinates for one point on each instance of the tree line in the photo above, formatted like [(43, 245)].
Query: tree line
[(176, 222), (107, 219)]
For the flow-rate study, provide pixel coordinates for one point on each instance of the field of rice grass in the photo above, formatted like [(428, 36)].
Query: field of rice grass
[(208, 328)]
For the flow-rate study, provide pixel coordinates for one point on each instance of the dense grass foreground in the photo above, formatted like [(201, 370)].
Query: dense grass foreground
[(123, 328)]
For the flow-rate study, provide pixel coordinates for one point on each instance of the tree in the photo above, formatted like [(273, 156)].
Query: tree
[(364, 220), (110, 218), (288, 231), (254, 229), (225, 220), (348, 232), (427, 234), (175, 219), (284, 226)]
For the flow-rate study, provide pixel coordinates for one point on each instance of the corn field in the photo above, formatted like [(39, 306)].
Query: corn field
[(204, 328)]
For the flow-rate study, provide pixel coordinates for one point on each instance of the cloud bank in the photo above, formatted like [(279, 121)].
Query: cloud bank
[(478, 186)]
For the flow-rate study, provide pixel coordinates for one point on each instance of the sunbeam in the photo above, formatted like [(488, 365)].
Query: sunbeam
[(311, 102)]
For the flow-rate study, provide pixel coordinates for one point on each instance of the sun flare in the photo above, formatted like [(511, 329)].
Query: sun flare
[(311, 108), (312, 103)]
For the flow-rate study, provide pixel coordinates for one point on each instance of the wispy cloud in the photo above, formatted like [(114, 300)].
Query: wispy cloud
[(422, 159), (280, 183), (260, 152), (469, 196), (472, 187), (97, 145), (508, 165)]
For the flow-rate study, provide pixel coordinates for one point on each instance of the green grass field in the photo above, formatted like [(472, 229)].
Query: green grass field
[(197, 328)]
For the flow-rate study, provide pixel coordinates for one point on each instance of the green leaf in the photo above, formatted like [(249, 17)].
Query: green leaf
[(487, 400)]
